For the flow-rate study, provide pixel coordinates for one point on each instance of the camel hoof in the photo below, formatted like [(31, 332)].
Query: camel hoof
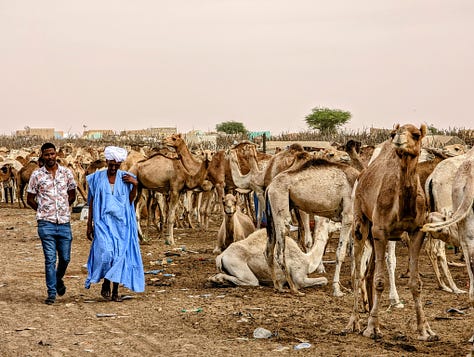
[(428, 337), (396, 305), (373, 334)]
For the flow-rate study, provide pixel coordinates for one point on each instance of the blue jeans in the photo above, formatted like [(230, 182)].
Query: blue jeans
[(55, 238)]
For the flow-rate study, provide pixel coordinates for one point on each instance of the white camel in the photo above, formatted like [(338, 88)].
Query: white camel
[(317, 187), (243, 263), (235, 226)]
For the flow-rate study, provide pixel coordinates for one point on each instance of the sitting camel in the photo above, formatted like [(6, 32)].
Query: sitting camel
[(243, 263), (388, 201), (235, 226)]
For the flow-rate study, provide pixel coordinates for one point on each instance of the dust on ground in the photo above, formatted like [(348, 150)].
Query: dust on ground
[(181, 314)]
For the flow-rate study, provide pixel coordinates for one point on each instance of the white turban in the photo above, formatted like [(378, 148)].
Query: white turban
[(115, 153)]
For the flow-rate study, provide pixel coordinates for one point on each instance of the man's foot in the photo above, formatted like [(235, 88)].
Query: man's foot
[(60, 288), (105, 291), (50, 300), (116, 298)]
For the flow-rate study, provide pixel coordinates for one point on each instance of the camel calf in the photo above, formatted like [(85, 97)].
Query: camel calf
[(243, 263), (235, 226)]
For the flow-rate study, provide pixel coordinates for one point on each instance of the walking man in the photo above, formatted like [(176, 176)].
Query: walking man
[(51, 191)]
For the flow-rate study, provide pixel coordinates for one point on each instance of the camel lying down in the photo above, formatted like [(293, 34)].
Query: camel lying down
[(243, 263)]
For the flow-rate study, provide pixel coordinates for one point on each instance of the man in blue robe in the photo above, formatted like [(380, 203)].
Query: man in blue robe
[(112, 227)]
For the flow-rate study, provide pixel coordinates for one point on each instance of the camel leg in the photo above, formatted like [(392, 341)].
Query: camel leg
[(354, 321), (173, 203), (414, 247), (380, 244), (391, 261), (344, 239), (467, 245), (238, 272), (431, 246), (443, 262)]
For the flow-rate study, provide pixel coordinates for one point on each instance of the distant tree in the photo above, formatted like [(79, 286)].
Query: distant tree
[(434, 131), (231, 127), (327, 120)]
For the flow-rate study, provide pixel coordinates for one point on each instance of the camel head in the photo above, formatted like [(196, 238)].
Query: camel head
[(454, 150), (174, 141), (230, 204), (406, 139)]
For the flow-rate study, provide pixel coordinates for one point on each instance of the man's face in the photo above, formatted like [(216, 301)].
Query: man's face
[(112, 167), (49, 157)]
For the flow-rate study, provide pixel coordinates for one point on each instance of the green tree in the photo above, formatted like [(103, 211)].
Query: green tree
[(231, 127), (327, 120)]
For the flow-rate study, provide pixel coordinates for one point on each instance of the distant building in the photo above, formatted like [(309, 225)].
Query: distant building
[(43, 133), (255, 134), (97, 134)]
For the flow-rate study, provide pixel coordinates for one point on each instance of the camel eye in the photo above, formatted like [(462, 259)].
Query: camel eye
[(415, 136)]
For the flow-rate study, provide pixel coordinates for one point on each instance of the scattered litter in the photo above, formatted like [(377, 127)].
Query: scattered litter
[(161, 291), (220, 296), (69, 304), (453, 310), (168, 275), (172, 254), (184, 289), (198, 309), (73, 276), (192, 251), (42, 343), (169, 260), (254, 308), (89, 301), (154, 272), (127, 297), (24, 329), (243, 319), (2, 285), (105, 315), (261, 332), (89, 350), (471, 339), (206, 295), (302, 346), (281, 348)]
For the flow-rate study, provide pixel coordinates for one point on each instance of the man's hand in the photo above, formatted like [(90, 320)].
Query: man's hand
[(130, 179)]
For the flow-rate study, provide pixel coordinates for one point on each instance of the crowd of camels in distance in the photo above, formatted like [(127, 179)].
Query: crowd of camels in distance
[(403, 187)]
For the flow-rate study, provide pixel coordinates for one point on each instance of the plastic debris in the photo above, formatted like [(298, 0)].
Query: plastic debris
[(168, 275), (457, 311), (198, 309), (281, 348), (302, 346), (154, 272), (105, 315), (261, 332)]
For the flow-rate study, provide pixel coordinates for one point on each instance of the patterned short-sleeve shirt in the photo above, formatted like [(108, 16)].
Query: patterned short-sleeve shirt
[(51, 193)]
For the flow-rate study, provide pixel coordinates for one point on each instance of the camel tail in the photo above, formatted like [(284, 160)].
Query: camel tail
[(460, 214), (270, 223), (219, 263)]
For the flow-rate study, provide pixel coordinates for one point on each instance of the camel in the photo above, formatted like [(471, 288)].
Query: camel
[(170, 176), (389, 201), (235, 226), (461, 224), (7, 181), (23, 178), (316, 187), (438, 188), (243, 263)]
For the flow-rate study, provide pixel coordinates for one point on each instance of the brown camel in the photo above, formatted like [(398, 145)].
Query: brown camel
[(23, 177), (170, 176), (389, 201)]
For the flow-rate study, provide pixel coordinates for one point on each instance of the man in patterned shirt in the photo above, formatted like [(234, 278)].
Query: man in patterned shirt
[(51, 192)]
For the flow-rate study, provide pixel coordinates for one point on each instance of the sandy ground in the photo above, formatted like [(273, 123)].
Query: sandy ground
[(180, 314)]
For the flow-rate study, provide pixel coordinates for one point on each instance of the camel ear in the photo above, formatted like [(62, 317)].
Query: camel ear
[(423, 130), (396, 126)]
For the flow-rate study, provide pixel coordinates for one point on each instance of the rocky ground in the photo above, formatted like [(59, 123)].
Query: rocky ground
[(180, 314)]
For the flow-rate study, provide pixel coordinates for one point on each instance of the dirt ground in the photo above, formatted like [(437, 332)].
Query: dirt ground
[(180, 314)]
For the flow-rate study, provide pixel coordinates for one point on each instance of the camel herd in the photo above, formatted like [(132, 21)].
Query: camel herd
[(374, 197)]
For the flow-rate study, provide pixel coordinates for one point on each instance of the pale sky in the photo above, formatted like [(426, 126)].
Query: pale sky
[(116, 64)]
